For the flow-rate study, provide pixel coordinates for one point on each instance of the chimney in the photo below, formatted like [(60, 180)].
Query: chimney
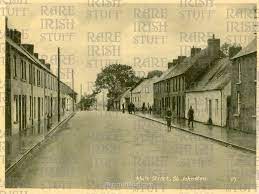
[(170, 64), (11, 34), (180, 59), (213, 46), (36, 55), (233, 50), (29, 48), (42, 61), (17, 36), (195, 51), (47, 65)]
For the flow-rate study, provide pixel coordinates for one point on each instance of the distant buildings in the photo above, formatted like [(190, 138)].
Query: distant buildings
[(243, 85), (142, 95), (102, 100), (123, 99)]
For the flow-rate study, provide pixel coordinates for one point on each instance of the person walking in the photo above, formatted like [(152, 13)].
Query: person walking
[(133, 108), (129, 108), (168, 119), (190, 116), (150, 110)]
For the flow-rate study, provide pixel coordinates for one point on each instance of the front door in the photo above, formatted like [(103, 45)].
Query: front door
[(20, 113), (39, 108), (210, 110)]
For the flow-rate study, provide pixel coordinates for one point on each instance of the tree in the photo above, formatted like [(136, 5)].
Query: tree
[(87, 101), (115, 78), (234, 47), (154, 73)]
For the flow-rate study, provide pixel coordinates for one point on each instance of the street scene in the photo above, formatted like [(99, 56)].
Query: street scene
[(112, 95), (126, 149)]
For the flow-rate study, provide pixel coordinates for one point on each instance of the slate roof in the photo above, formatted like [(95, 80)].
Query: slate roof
[(187, 63), (126, 93), (250, 48), (165, 73), (216, 78), (32, 58), (146, 82)]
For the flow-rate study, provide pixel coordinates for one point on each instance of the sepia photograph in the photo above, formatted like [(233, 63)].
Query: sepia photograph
[(111, 94)]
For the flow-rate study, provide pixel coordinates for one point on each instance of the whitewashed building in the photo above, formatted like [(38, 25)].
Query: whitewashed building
[(102, 100), (210, 95), (143, 93)]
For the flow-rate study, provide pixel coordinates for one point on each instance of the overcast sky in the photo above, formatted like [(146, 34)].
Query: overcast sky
[(178, 24)]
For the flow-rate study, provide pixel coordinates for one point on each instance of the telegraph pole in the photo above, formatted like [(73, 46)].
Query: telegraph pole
[(58, 85), (81, 97), (73, 90)]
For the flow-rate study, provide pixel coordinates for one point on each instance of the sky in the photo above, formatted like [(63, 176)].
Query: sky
[(181, 27)]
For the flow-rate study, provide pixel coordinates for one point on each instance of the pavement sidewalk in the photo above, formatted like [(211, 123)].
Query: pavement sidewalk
[(19, 145), (223, 135)]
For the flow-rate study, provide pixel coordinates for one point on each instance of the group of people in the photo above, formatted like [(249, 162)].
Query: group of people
[(131, 108), (168, 118)]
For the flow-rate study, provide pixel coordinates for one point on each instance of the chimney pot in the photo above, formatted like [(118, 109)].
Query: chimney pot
[(42, 61)]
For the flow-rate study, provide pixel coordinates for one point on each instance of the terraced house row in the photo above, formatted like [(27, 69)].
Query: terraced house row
[(220, 88), (31, 87)]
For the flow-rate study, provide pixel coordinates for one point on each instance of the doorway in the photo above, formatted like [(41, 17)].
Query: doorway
[(210, 112)]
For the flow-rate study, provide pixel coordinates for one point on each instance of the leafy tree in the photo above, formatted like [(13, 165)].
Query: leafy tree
[(115, 78), (225, 47), (87, 101), (154, 73)]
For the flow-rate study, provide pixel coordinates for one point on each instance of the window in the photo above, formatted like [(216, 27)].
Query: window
[(25, 70), (179, 82), (34, 107), (239, 72), (167, 86), (30, 73), (173, 103), (21, 69), (15, 65), (38, 77), (176, 84), (34, 75), (45, 79), (238, 102), (42, 112), (183, 84), (16, 108), (30, 106)]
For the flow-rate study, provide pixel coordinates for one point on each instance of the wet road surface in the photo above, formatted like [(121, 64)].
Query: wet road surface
[(115, 150)]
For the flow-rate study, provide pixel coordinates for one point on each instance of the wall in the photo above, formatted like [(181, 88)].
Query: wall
[(200, 103), (246, 120)]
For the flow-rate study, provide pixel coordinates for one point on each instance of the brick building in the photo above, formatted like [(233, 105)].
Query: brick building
[(31, 88), (169, 90), (243, 80)]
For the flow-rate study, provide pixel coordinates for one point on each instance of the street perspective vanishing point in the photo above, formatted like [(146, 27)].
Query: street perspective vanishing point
[(116, 94)]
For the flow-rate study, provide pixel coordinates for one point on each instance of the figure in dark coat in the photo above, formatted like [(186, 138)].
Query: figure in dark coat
[(168, 119), (190, 116), (123, 108)]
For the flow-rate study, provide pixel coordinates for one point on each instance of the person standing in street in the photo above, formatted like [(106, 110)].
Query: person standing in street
[(190, 116), (123, 108), (168, 119)]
